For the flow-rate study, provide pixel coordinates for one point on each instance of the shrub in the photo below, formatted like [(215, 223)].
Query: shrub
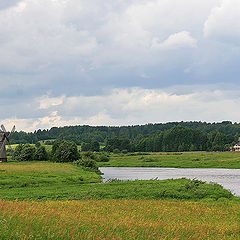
[(87, 163), (24, 152), (89, 155), (41, 154), (64, 151), (103, 158), (85, 147), (37, 144), (17, 152), (116, 151)]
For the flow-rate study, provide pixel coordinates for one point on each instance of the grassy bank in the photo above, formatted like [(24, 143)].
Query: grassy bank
[(119, 219), (44, 181), (177, 160), (181, 189), (40, 174)]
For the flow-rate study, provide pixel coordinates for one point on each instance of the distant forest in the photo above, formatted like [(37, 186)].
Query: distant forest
[(172, 136)]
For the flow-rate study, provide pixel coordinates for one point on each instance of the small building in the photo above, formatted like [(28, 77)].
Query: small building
[(237, 147)]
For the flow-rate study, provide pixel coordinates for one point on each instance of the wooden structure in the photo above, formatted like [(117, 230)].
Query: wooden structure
[(4, 140)]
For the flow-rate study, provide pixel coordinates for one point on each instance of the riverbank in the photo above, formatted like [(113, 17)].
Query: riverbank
[(230, 160), (65, 181)]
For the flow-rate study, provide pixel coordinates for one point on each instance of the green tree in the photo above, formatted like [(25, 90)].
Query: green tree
[(41, 154), (64, 151), (85, 147), (25, 152)]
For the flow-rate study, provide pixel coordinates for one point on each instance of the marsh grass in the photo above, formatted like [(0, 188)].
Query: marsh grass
[(178, 160)]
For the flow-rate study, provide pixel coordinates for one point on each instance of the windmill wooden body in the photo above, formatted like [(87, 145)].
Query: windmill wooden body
[(4, 140)]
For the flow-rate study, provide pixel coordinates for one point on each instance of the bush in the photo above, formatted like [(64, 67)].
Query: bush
[(37, 144), (87, 163), (41, 154), (24, 152), (85, 147), (64, 151), (116, 151), (103, 158), (17, 152), (89, 155)]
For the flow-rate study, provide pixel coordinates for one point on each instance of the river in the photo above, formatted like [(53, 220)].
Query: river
[(228, 178)]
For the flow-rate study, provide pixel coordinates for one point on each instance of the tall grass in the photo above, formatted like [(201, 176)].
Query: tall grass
[(119, 219)]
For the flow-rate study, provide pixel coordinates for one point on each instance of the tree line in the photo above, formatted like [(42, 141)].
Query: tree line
[(177, 139), (61, 151), (174, 136)]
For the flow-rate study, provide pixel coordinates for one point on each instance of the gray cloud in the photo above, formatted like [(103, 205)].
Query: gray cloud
[(84, 49), (131, 106), (9, 3)]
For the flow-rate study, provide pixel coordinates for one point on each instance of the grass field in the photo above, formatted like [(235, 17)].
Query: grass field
[(36, 174), (119, 219), (168, 209), (45, 180), (177, 160)]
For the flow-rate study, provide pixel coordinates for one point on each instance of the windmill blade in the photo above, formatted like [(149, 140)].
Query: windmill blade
[(13, 130), (3, 128)]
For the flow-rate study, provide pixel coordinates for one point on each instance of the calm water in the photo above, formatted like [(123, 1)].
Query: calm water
[(228, 178)]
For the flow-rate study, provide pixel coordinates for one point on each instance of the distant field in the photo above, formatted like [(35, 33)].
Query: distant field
[(171, 159), (177, 160), (119, 219)]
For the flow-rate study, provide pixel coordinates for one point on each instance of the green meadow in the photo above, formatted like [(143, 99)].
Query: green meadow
[(45, 200), (175, 159), (66, 181)]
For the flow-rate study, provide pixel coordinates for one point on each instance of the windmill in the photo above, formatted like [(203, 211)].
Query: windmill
[(4, 140)]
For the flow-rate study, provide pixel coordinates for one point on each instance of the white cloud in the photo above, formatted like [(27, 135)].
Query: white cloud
[(134, 106), (223, 23), (59, 56), (174, 41), (45, 102)]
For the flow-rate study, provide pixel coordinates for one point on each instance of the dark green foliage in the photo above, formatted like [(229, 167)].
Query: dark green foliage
[(175, 136), (103, 158), (87, 163), (89, 155), (86, 147), (17, 152), (64, 151), (41, 154), (80, 134), (121, 143), (37, 144), (94, 146), (24, 152), (116, 151), (87, 160)]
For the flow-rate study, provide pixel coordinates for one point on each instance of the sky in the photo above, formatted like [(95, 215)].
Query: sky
[(118, 62)]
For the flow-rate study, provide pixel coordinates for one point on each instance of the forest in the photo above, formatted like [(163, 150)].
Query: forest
[(172, 136)]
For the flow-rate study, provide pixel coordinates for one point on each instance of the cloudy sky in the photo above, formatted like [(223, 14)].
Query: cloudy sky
[(118, 62)]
